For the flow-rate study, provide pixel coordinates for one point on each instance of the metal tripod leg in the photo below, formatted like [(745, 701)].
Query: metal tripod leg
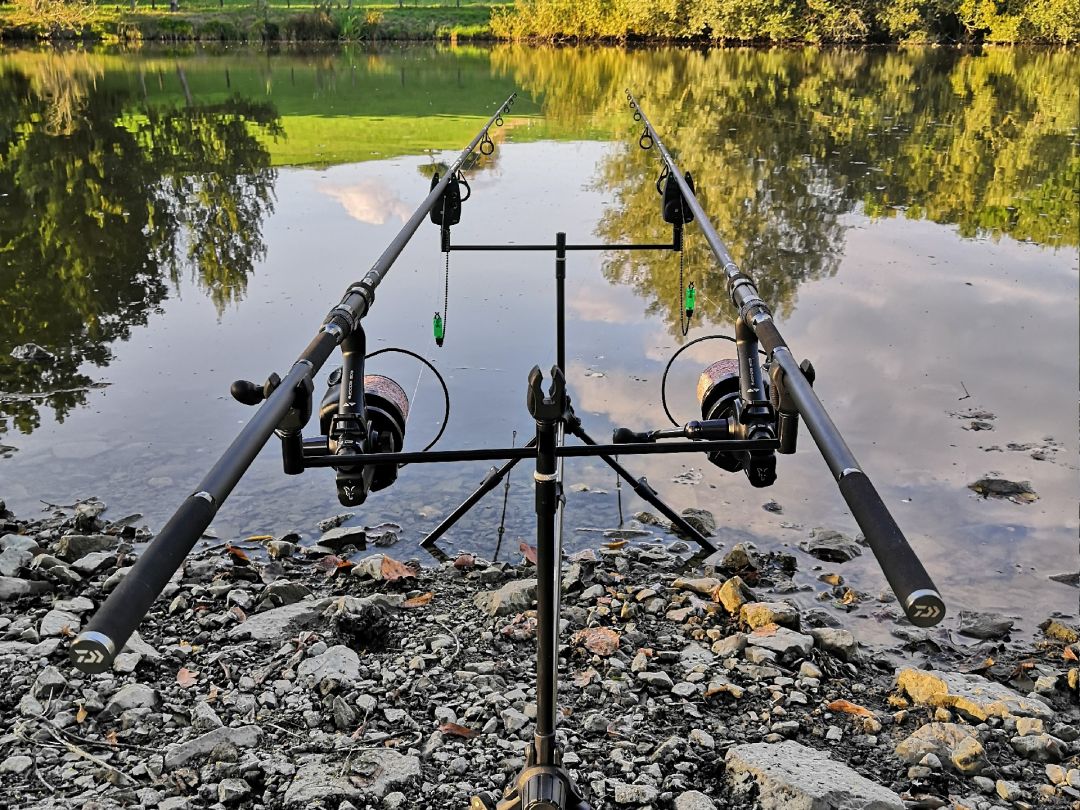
[(644, 490), (494, 477)]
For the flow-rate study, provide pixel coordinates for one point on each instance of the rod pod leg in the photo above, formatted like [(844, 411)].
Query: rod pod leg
[(543, 784)]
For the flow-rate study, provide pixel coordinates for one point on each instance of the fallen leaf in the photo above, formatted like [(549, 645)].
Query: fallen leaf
[(419, 601), (80, 715), (465, 562), (393, 570), (111, 737), (598, 640), (66, 631), (238, 613), (528, 551), (212, 696), (239, 557), (331, 564), (260, 538), (185, 677), (585, 677), (615, 544), (456, 730), (847, 707), (1070, 654)]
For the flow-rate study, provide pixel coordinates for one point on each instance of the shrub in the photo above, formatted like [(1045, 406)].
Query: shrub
[(312, 26)]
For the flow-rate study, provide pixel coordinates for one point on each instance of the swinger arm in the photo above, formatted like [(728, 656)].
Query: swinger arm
[(902, 568)]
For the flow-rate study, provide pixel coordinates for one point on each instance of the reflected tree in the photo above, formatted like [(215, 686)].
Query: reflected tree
[(784, 143), (102, 205)]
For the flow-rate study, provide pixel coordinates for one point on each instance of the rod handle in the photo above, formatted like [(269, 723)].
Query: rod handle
[(95, 648), (905, 573)]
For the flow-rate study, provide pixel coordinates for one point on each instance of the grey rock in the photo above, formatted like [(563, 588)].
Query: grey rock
[(93, 562), (701, 519), (76, 546), (12, 560), (840, 643), (18, 542), (318, 783), (515, 596), (958, 744), (693, 800), (381, 770), (513, 720), (11, 588), (283, 592), (280, 622), (786, 643), (1039, 747), (338, 538), (636, 795), (830, 546), (16, 764), (59, 623), (204, 718), (730, 645), (684, 689), (702, 739), (791, 776), (49, 681), (984, 625), (661, 680), (180, 754), (78, 605), (338, 664), (232, 790), (1009, 791), (132, 696)]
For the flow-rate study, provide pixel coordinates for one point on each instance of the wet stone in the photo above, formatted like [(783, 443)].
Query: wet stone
[(984, 625), (830, 546)]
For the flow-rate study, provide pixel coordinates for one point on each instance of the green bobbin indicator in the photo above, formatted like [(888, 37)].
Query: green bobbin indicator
[(439, 329), (691, 299)]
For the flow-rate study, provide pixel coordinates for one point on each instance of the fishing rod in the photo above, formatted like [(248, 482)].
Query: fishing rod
[(286, 407), (793, 397)]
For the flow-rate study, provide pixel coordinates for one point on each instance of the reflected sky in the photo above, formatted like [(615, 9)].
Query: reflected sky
[(906, 315)]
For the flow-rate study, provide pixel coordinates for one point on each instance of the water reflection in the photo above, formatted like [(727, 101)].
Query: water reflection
[(105, 200), (783, 143)]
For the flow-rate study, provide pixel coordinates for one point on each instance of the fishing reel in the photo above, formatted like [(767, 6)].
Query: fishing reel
[(379, 429), (739, 399)]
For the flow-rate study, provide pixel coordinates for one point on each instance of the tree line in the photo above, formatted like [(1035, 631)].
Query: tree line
[(827, 21)]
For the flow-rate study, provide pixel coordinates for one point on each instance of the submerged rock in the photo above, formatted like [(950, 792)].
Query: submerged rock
[(830, 546), (1015, 491), (984, 625)]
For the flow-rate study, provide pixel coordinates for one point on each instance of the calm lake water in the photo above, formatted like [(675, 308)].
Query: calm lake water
[(173, 220)]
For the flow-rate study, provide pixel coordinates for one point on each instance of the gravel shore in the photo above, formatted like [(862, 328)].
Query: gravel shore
[(295, 672)]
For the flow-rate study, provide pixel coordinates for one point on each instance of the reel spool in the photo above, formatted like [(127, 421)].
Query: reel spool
[(386, 410), (717, 393)]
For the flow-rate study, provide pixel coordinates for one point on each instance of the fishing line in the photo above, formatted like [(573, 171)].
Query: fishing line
[(438, 376)]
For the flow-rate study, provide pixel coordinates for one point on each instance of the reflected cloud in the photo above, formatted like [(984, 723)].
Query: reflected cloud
[(371, 200)]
